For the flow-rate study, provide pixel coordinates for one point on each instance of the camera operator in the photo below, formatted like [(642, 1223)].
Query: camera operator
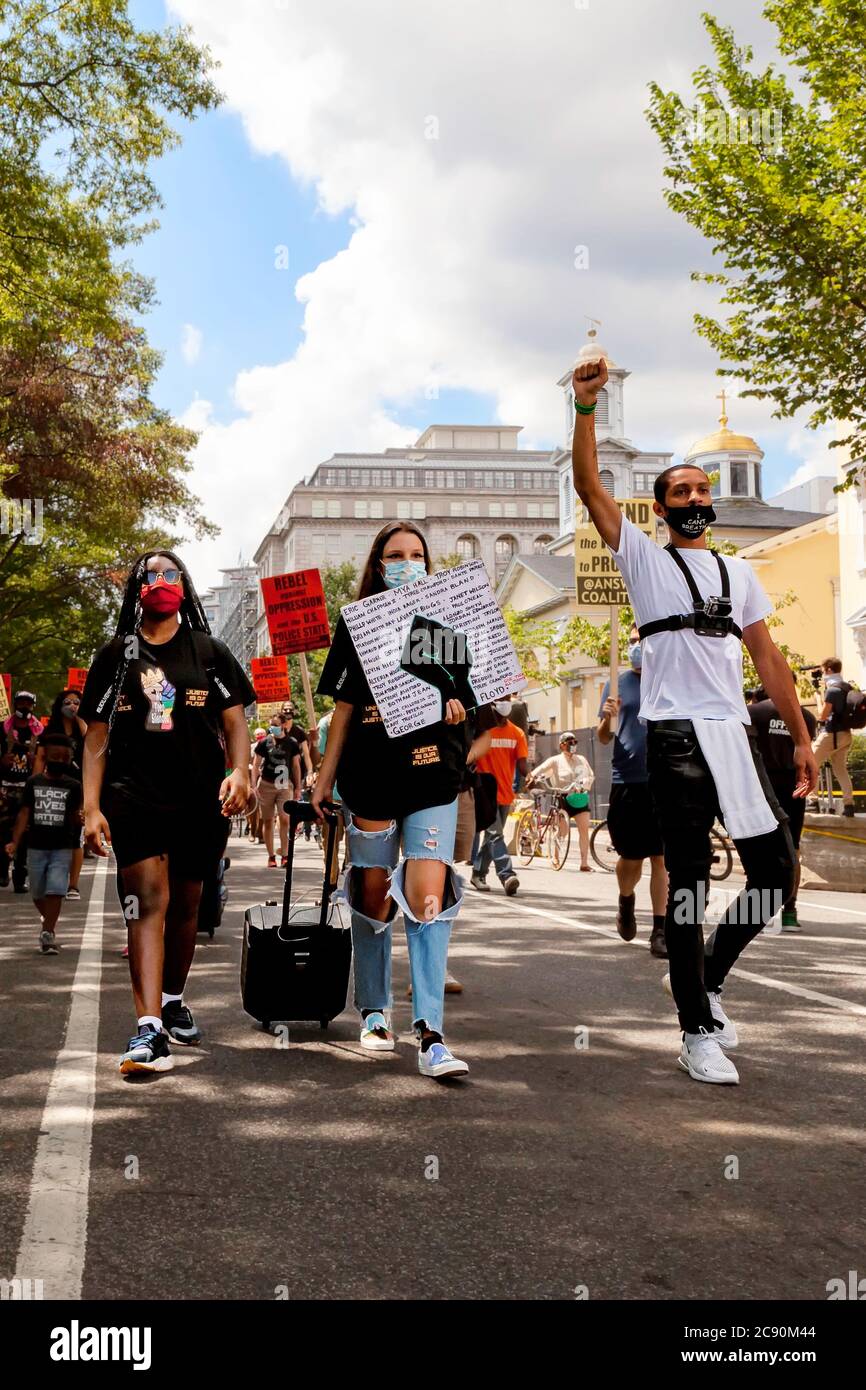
[(834, 740), (694, 610)]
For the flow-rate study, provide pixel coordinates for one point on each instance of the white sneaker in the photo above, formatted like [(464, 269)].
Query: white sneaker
[(704, 1060), (438, 1061), (375, 1034), (726, 1036)]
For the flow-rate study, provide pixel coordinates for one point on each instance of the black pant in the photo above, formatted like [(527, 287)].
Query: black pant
[(687, 803)]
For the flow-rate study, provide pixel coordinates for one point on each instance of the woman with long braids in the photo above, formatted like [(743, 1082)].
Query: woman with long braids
[(395, 789), (64, 719), (164, 707)]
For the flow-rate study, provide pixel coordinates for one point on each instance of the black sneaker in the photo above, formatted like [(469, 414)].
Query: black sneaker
[(625, 920), (147, 1050), (657, 944), (178, 1022)]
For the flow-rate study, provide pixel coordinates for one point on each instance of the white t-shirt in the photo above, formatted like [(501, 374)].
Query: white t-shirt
[(684, 676)]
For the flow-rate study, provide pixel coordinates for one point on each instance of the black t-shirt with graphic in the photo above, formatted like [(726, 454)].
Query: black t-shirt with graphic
[(382, 777), (54, 804), (774, 740), (277, 755), (166, 750)]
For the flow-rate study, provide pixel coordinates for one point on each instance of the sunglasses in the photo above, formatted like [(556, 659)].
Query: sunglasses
[(170, 576)]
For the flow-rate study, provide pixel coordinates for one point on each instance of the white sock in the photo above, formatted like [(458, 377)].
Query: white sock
[(172, 999), (149, 1018)]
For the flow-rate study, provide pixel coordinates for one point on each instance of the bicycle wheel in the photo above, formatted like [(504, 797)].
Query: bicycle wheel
[(722, 861), (527, 837), (558, 839), (601, 848)]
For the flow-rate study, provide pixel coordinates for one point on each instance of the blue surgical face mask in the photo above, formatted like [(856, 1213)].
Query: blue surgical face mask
[(275, 728), (399, 572), (635, 656)]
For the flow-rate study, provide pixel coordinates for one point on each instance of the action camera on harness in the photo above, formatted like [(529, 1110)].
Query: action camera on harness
[(710, 617)]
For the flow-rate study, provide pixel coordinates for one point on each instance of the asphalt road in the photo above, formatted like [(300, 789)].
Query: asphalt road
[(313, 1170)]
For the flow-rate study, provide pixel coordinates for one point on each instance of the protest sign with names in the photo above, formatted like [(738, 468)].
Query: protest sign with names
[(455, 609)]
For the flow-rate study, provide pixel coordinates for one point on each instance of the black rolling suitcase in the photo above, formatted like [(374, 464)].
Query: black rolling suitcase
[(296, 959)]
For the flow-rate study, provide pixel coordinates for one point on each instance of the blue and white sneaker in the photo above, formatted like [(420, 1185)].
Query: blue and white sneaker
[(375, 1034), (148, 1050), (437, 1061)]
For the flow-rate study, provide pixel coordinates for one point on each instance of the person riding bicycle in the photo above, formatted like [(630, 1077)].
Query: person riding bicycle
[(569, 774)]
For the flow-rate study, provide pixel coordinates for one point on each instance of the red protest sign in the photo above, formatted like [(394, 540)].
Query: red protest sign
[(270, 678), (296, 612), (76, 677)]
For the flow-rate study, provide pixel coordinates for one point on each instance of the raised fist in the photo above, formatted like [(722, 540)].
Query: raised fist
[(587, 381)]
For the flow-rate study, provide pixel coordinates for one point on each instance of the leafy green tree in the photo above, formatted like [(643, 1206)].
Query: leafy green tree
[(539, 644), (86, 103), (782, 205), (81, 435), (592, 639)]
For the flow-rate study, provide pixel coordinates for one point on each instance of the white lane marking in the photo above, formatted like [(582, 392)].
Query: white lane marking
[(830, 907), (54, 1239), (845, 1005)]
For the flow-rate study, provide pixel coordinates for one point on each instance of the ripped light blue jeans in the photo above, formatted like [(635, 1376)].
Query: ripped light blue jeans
[(427, 834)]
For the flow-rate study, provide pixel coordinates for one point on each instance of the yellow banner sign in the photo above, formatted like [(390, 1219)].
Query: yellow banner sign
[(598, 582)]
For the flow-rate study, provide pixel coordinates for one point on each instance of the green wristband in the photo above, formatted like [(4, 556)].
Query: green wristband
[(584, 409)]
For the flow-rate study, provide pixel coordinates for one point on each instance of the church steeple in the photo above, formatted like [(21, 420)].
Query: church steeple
[(735, 457), (609, 414)]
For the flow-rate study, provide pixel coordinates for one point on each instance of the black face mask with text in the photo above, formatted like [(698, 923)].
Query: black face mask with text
[(690, 521)]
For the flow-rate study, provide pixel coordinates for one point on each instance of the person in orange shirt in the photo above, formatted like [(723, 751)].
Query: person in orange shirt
[(508, 752)]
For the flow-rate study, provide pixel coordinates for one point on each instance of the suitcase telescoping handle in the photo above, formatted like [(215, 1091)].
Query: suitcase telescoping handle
[(298, 811)]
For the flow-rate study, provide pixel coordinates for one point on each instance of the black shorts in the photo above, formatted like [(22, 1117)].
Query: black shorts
[(193, 840), (632, 823), (783, 785)]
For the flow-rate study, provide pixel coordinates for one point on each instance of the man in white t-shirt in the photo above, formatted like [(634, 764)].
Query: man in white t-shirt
[(694, 610)]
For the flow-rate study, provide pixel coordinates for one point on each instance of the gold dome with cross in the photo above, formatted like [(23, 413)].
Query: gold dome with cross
[(723, 440)]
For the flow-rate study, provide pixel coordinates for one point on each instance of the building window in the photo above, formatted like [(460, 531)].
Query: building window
[(540, 544), (527, 482), (506, 546), (419, 510), (377, 509), (602, 409), (499, 481), (335, 509), (643, 484), (456, 508), (549, 509), (319, 507), (354, 475), (404, 509), (757, 468), (606, 477), (494, 509), (511, 481), (460, 479), (479, 481), (473, 509), (467, 547), (739, 479), (361, 509), (511, 509), (533, 509)]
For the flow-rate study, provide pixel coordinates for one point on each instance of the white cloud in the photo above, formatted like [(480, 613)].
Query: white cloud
[(460, 268), (190, 344)]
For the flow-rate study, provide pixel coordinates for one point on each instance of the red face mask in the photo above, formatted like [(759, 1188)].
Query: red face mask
[(161, 599)]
